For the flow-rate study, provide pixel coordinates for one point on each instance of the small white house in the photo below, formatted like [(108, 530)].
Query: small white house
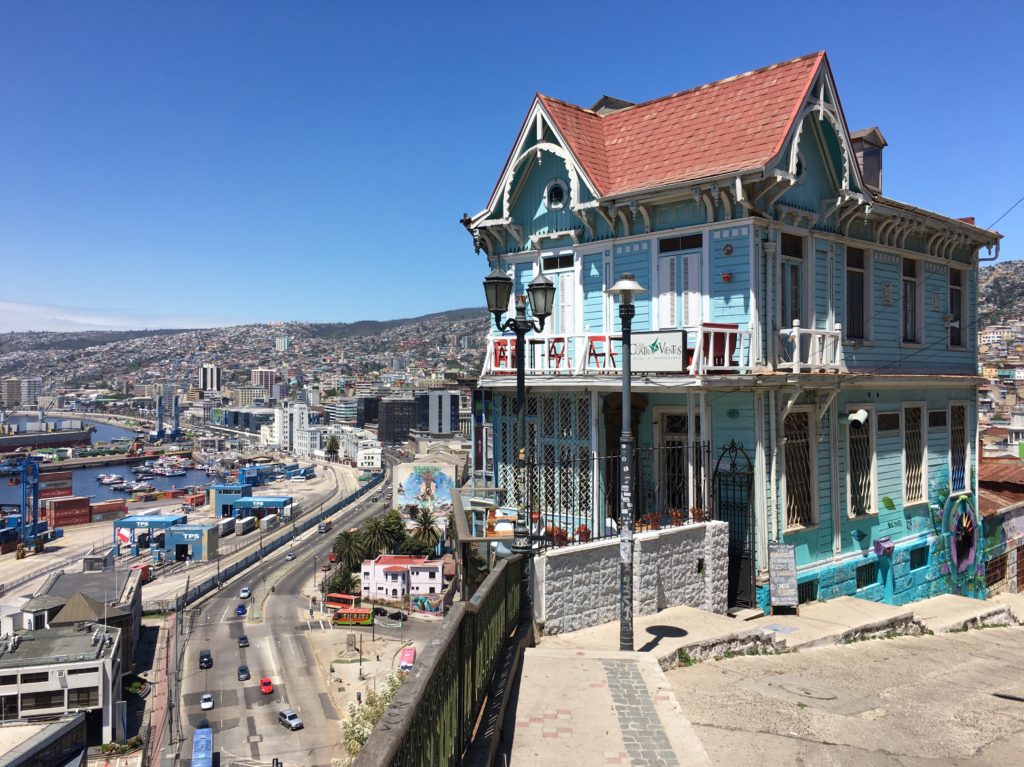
[(393, 576)]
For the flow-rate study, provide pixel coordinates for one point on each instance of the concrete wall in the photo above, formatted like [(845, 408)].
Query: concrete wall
[(578, 586)]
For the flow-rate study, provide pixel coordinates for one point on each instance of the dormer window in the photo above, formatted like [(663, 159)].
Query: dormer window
[(554, 195)]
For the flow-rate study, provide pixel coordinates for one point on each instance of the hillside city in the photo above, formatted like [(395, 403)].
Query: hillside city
[(728, 472)]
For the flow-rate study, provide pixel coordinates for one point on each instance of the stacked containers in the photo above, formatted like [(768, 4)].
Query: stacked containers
[(64, 512)]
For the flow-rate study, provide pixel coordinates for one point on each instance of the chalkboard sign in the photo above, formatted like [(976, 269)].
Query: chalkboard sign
[(782, 575)]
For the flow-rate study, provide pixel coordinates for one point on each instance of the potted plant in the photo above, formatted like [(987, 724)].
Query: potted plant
[(582, 533), (696, 514), (675, 517)]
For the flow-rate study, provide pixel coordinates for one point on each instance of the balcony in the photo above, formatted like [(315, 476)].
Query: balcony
[(806, 350), (711, 348)]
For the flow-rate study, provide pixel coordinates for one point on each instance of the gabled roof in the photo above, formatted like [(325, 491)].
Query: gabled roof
[(737, 124), (84, 608)]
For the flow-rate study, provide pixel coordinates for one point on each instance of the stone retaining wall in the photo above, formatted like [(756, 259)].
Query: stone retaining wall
[(578, 586)]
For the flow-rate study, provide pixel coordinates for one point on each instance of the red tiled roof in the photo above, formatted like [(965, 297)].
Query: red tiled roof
[(728, 126), (399, 559)]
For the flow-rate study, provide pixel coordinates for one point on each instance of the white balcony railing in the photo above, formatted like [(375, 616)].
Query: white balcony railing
[(710, 348), (812, 351)]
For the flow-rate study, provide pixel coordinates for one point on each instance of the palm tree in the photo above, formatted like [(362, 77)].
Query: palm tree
[(349, 548), (344, 582), (394, 527), (424, 527), (375, 537)]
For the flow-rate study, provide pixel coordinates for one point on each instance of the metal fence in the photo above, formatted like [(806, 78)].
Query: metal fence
[(575, 501), (430, 721)]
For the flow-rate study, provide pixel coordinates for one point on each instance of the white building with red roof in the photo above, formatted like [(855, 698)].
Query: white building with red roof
[(394, 576), (803, 355)]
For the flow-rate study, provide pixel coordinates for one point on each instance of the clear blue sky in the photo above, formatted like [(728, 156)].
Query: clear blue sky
[(184, 163)]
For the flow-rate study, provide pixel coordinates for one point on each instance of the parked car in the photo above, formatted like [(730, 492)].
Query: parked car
[(243, 641), (266, 686), (243, 673), (289, 719), (380, 612), (245, 593), (206, 701), (205, 659), (240, 610), (397, 615)]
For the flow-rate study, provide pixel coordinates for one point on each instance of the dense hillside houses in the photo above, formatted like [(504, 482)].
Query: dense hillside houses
[(804, 362)]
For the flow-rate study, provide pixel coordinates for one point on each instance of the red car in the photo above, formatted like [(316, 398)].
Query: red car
[(266, 686)]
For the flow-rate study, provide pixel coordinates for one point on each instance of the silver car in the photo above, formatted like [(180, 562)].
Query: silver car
[(289, 719)]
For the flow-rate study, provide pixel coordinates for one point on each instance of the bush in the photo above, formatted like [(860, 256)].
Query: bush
[(362, 719)]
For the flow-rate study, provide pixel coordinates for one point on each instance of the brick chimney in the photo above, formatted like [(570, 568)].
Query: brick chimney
[(867, 146)]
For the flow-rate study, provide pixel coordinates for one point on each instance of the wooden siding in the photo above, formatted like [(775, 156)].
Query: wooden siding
[(730, 301), (635, 257), (593, 292)]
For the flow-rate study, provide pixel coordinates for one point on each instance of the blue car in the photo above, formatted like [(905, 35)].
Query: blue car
[(240, 610)]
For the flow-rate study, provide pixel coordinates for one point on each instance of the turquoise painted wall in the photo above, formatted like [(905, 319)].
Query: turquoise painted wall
[(635, 257), (527, 201), (593, 292), (677, 214), (822, 257), (730, 301), (814, 183)]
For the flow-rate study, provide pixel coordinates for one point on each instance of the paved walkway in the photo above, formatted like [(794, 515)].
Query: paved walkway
[(580, 701)]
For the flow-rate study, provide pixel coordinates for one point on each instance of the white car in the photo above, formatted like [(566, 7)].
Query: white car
[(289, 556), (206, 701), (245, 593)]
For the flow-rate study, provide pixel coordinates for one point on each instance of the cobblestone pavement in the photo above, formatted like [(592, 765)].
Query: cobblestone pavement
[(642, 733)]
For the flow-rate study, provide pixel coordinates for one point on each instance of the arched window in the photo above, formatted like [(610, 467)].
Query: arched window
[(554, 195)]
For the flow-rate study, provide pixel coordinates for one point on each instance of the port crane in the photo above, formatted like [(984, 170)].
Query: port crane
[(29, 532)]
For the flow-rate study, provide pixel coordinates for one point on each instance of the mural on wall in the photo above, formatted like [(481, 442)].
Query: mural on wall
[(957, 531), (419, 486)]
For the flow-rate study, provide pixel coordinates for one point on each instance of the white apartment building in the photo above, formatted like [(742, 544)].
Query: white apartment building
[(369, 459), (394, 576), (210, 378), (310, 443), (290, 418)]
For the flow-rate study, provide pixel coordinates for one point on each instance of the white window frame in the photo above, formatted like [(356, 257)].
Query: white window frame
[(924, 451), (812, 441), (869, 257), (872, 425), (919, 307), (964, 275), (565, 194), (967, 444), (805, 300)]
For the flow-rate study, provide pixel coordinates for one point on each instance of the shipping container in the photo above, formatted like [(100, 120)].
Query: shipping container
[(226, 527), (70, 502), (270, 522), (244, 525), (146, 570)]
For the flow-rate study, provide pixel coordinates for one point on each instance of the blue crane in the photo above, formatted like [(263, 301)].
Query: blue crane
[(24, 471)]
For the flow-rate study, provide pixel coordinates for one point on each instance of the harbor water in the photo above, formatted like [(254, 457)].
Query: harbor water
[(83, 481)]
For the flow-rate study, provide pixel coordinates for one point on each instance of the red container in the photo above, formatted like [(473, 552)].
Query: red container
[(69, 517), (71, 502), (147, 572), (114, 504)]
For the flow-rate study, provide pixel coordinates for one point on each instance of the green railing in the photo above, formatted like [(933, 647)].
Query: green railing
[(430, 721)]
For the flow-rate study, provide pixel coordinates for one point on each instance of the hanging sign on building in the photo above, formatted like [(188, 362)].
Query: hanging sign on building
[(782, 575), (662, 352)]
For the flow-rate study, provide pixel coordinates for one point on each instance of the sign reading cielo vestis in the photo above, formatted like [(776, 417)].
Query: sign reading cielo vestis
[(663, 352)]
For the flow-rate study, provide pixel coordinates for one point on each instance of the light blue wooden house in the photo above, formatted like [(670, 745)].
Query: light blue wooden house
[(804, 359)]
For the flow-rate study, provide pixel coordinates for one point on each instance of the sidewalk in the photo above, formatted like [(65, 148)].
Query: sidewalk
[(580, 701)]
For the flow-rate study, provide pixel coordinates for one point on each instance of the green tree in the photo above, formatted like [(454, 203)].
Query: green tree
[(362, 719), (394, 527), (415, 547), (332, 447), (343, 582), (350, 549), (424, 527), (375, 537)]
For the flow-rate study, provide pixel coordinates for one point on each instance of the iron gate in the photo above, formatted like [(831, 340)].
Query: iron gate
[(733, 489)]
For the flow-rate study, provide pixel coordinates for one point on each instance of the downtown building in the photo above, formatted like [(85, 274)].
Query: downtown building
[(804, 357)]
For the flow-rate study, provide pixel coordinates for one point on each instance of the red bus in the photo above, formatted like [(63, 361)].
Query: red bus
[(339, 601), (353, 616)]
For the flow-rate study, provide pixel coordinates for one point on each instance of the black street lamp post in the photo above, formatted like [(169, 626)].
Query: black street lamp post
[(498, 289), (625, 289)]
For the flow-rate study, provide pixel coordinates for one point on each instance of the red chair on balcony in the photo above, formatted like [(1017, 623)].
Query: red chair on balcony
[(556, 352), (504, 355), (719, 347), (597, 357)]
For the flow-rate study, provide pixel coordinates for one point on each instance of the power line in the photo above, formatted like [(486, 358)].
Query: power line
[(1006, 213)]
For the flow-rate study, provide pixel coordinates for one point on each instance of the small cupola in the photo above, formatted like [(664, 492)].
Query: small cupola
[(867, 146), (608, 104)]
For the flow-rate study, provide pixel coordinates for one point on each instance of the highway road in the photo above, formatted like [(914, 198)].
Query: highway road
[(283, 645)]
